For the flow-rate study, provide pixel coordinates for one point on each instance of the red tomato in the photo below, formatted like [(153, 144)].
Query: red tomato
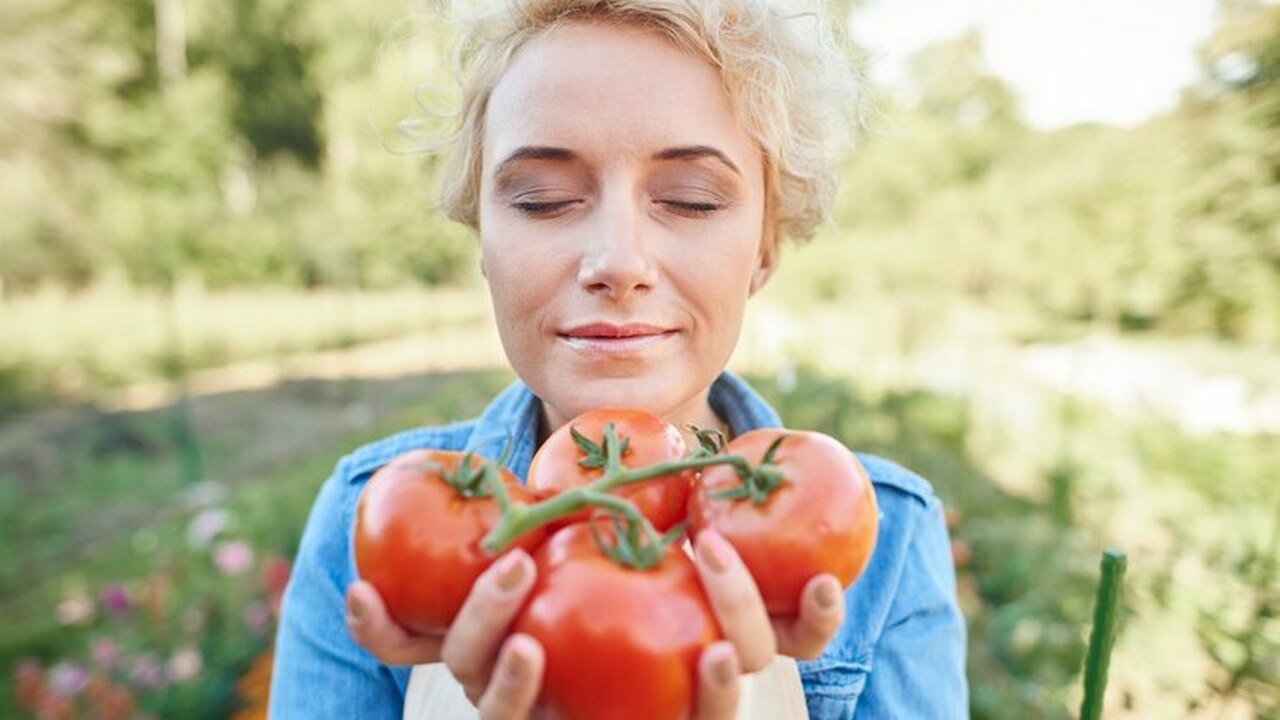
[(650, 440), (823, 517), (417, 539), (621, 644)]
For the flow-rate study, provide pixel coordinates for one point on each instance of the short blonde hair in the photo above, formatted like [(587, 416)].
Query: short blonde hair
[(788, 77)]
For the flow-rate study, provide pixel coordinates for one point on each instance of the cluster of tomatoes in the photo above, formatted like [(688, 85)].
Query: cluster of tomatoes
[(618, 608)]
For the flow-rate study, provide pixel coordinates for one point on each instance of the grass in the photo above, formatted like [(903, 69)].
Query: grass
[(110, 509), (78, 344)]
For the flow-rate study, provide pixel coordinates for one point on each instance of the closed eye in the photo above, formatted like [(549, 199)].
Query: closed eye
[(542, 208), (692, 209)]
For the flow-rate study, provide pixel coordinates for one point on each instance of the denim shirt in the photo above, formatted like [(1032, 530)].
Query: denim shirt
[(899, 654)]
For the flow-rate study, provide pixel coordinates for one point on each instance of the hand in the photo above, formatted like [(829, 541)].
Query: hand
[(755, 636), (501, 675)]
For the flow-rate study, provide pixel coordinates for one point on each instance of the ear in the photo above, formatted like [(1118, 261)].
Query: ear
[(767, 261)]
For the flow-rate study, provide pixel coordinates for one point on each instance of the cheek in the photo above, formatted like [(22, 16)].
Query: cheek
[(722, 283), (524, 280), (506, 260)]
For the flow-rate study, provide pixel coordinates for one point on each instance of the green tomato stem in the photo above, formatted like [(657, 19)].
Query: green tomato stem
[(519, 518), (1106, 613)]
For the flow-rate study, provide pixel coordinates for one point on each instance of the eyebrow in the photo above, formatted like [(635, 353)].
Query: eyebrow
[(683, 152), (693, 152), (535, 152)]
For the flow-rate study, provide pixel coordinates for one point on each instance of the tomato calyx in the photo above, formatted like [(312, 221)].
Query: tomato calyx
[(635, 543), (469, 479), (758, 482), (710, 440), (605, 455)]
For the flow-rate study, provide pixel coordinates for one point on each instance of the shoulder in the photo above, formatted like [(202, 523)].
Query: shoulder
[(357, 466), (912, 534), (890, 478), (906, 577)]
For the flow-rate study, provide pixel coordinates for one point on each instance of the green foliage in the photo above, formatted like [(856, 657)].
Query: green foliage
[(243, 144), (19, 388), (1197, 516), (98, 506), (277, 105), (251, 146), (1167, 227)]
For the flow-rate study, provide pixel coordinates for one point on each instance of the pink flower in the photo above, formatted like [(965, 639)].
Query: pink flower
[(206, 525), (233, 557), (256, 617), (184, 665), (145, 671), (104, 652), (114, 599), (67, 679)]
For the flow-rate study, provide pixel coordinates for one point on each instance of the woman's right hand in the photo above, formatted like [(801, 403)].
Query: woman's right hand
[(500, 674)]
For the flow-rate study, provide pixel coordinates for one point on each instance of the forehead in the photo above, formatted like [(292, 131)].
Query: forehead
[(610, 91)]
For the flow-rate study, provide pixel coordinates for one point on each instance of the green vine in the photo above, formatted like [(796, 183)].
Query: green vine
[(636, 544)]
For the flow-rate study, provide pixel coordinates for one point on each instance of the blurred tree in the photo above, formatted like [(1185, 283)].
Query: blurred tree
[(949, 124), (247, 143), (276, 104), (42, 49), (951, 82), (1234, 202)]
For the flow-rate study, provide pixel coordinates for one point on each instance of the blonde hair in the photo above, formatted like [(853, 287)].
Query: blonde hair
[(788, 78)]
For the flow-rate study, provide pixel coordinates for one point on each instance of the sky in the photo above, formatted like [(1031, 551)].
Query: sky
[(1112, 61)]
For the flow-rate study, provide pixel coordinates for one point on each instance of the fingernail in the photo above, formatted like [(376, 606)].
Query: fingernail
[(354, 610), (826, 595), (517, 666), (510, 572), (725, 670), (714, 551)]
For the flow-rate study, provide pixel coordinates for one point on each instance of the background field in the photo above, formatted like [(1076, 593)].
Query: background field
[(205, 300)]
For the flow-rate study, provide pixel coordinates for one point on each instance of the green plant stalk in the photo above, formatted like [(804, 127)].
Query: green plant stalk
[(1106, 612), (520, 518)]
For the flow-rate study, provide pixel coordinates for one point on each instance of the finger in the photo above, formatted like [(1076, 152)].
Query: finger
[(516, 681), (718, 672), (821, 614), (472, 643), (735, 600), (371, 626)]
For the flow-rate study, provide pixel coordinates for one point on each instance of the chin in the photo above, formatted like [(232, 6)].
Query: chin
[(656, 394)]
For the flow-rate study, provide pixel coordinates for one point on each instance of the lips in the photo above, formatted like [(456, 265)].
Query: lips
[(609, 339), (608, 331)]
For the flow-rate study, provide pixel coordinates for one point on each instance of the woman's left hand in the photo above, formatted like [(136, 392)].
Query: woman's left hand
[(739, 608)]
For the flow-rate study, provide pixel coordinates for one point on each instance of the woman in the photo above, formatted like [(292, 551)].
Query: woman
[(630, 167)]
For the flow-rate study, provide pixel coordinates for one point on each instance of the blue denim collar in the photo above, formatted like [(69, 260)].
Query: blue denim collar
[(512, 419)]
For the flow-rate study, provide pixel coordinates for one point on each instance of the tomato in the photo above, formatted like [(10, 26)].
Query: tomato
[(649, 439), (417, 537), (822, 518), (620, 643)]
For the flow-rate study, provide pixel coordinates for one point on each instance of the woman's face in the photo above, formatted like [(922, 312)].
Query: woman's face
[(621, 217)]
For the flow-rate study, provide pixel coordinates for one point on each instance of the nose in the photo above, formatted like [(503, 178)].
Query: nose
[(617, 261)]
